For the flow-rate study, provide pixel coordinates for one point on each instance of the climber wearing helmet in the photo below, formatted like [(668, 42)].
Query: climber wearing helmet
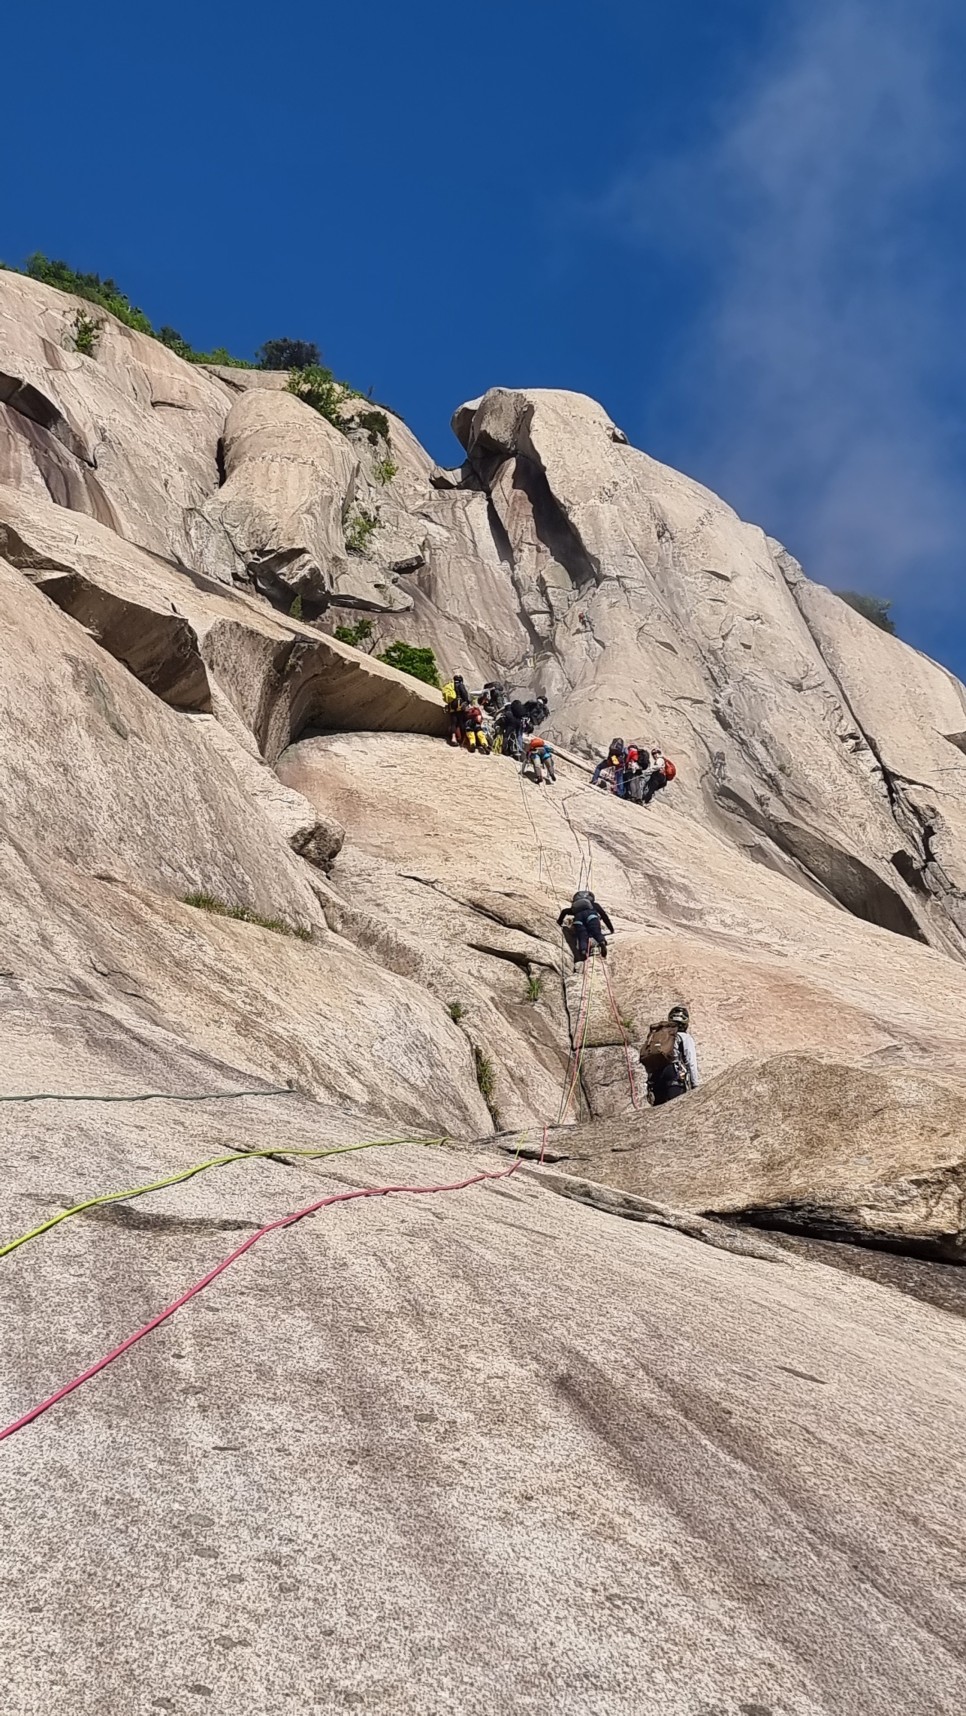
[(491, 698), (456, 698), (614, 760), (587, 917), (509, 722), (669, 1058), (539, 757), (662, 771), (474, 729)]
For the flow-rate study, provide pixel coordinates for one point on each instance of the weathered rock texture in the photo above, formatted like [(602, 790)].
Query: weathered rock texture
[(494, 1450), (277, 520), (867, 1154)]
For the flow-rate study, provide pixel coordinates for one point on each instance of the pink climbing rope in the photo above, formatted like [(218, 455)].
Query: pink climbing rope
[(226, 1262)]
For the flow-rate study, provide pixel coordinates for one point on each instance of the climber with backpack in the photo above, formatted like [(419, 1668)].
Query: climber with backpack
[(670, 1059), (637, 765), (456, 698), (474, 729), (491, 698), (539, 756), (614, 760), (662, 771), (509, 723), (588, 917)]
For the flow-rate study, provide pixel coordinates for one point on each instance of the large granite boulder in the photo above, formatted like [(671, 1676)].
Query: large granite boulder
[(276, 522), (872, 1155)]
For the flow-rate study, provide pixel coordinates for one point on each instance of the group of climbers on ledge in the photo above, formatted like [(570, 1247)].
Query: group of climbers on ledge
[(486, 722), (633, 771)]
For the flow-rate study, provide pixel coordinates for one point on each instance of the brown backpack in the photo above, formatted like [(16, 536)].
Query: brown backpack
[(659, 1050)]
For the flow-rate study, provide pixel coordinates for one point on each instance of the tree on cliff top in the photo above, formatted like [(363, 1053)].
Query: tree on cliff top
[(874, 608), (288, 354)]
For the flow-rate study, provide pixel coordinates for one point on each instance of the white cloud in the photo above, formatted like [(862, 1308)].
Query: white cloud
[(819, 211)]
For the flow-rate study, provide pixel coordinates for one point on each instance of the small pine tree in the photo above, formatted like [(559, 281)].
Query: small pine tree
[(288, 354)]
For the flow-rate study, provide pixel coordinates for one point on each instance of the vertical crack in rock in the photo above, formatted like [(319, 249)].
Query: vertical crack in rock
[(917, 829)]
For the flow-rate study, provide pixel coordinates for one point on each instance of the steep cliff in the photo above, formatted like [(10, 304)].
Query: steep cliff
[(238, 856)]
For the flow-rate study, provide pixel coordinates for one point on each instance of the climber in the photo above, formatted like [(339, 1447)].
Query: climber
[(510, 723), (491, 698), (669, 1058), (474, 729), (635, 775), (456, 698), (539, 756), (662, 770), (613, 760), (459, 686), (588, 916)]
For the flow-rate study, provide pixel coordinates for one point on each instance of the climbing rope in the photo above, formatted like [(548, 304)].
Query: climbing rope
[(226, 1262), (586, 859), (202, 1168), (158, 1095), (579, 1038), (571, 1081), (620, 1026), (543, 855)]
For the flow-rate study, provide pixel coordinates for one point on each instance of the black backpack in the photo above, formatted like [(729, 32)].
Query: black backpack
[(583, 904)]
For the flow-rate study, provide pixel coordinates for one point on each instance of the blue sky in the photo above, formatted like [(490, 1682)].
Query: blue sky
[(738, 223)]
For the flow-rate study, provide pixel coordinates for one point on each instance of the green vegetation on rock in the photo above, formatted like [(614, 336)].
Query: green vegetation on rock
[(87, 332), (360, 529), (108, 295), (357, 635), (411, 659), (288, 354), (221, 909), (486, 1079), (315, 385), (874, 608), (375, 423)]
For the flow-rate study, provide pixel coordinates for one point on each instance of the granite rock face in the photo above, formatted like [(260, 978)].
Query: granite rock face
[(569, 1461)]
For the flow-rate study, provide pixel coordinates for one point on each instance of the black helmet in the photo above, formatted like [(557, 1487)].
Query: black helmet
[(679, 1016)]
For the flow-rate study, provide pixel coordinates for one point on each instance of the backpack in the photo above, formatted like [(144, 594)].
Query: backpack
[(669, 770), (583, 904), (659, 1051), (449, 693), (535, 744)]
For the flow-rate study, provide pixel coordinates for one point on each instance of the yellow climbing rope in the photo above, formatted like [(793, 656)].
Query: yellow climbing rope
[(278, 1155)]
